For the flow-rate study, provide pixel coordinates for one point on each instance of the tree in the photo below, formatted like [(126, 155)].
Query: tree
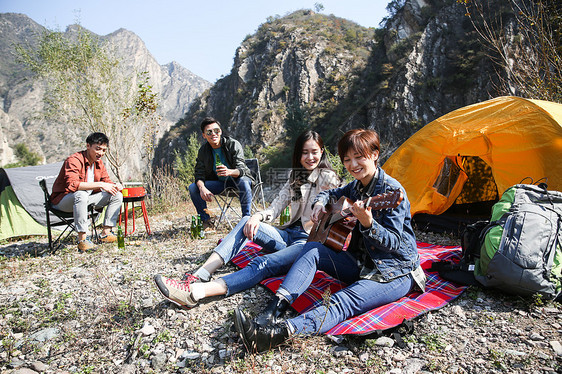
[(528, 49), (295, 122), (87, 86), (394, 6), (184, 165)]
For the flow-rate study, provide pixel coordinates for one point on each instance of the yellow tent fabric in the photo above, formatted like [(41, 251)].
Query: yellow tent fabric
[(517, 138)]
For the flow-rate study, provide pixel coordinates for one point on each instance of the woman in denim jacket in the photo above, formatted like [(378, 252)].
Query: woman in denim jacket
[(381, 264), (311, 173)]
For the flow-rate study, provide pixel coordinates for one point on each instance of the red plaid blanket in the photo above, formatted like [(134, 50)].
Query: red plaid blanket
[(437, 294)]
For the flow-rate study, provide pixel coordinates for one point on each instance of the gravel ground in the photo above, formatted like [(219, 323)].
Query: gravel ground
[(101, 313)]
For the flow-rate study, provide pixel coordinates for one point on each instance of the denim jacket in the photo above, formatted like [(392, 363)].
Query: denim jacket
[(390, 241)]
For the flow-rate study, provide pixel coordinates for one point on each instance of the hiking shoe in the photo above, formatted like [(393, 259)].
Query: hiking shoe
[(86, 245), (210, 223), (176, 291), (109, 238), (190, 278)]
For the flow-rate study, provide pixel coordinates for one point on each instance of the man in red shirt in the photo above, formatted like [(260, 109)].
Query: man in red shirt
[(83, 180)]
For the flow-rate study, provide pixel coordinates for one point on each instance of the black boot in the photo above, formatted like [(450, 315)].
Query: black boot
[(273, 311), (246, 328), (259, 338)]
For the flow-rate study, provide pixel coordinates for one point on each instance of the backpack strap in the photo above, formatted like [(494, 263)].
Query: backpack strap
[(558, 243)]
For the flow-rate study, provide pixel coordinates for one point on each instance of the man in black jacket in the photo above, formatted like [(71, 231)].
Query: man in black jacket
[(219, 164)]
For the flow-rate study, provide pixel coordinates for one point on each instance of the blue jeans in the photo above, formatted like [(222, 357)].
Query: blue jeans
[(286, 245), (242, 184), (359, 297)]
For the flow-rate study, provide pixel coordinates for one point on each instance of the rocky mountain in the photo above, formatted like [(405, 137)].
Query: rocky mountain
[(21, 94), (425, 62)]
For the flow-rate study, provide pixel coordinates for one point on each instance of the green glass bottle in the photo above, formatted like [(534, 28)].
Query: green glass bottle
[(120, 238), (217, 160), (200, 231), (193, 228), (285, 217)]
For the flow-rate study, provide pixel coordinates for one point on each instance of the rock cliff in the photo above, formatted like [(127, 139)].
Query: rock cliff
[(21, 95), (425, 62)]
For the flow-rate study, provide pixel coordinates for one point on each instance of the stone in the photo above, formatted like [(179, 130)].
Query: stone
[(39, 366), (222, 354), (454, 369), (513, 352), (45, 334), (160, 348), (458, 310), (557, 347), (384, 341), (16, 363), (192, 355), (128, 369), (24, 371), (340, 351), (542, 355), (159, 361), (147, 329), (413, 365)]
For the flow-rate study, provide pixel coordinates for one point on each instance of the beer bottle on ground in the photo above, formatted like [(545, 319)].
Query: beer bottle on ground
[(120, 238)]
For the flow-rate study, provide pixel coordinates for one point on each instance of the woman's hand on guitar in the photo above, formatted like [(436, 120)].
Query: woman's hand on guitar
[(251, 227), (317, 211), (362, 213)]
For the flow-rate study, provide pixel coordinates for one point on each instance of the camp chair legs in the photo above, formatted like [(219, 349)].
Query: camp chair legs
[(224, 199), (54, 245), (65, 219)]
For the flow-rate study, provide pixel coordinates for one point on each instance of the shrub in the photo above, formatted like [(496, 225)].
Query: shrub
[(184, 164), (338, 167), (166, 191), (25, 157)]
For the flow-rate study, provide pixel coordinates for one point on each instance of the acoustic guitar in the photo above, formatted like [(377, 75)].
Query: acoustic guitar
[(334, 227)]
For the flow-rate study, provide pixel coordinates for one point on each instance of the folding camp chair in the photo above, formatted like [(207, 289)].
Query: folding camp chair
[(66, 219), (225, 198)]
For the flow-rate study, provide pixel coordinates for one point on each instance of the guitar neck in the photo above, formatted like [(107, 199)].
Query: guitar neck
[(377, 202)]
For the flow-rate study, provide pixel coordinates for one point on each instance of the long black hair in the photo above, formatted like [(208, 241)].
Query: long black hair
[(299, 145), (297, 169)]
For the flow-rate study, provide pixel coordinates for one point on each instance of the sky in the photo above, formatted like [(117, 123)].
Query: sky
[(202, 36)]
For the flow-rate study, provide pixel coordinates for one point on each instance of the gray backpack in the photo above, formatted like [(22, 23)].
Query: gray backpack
[(521, 248)]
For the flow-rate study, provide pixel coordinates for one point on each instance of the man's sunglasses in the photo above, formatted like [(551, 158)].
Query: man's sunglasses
[(211, 131)]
